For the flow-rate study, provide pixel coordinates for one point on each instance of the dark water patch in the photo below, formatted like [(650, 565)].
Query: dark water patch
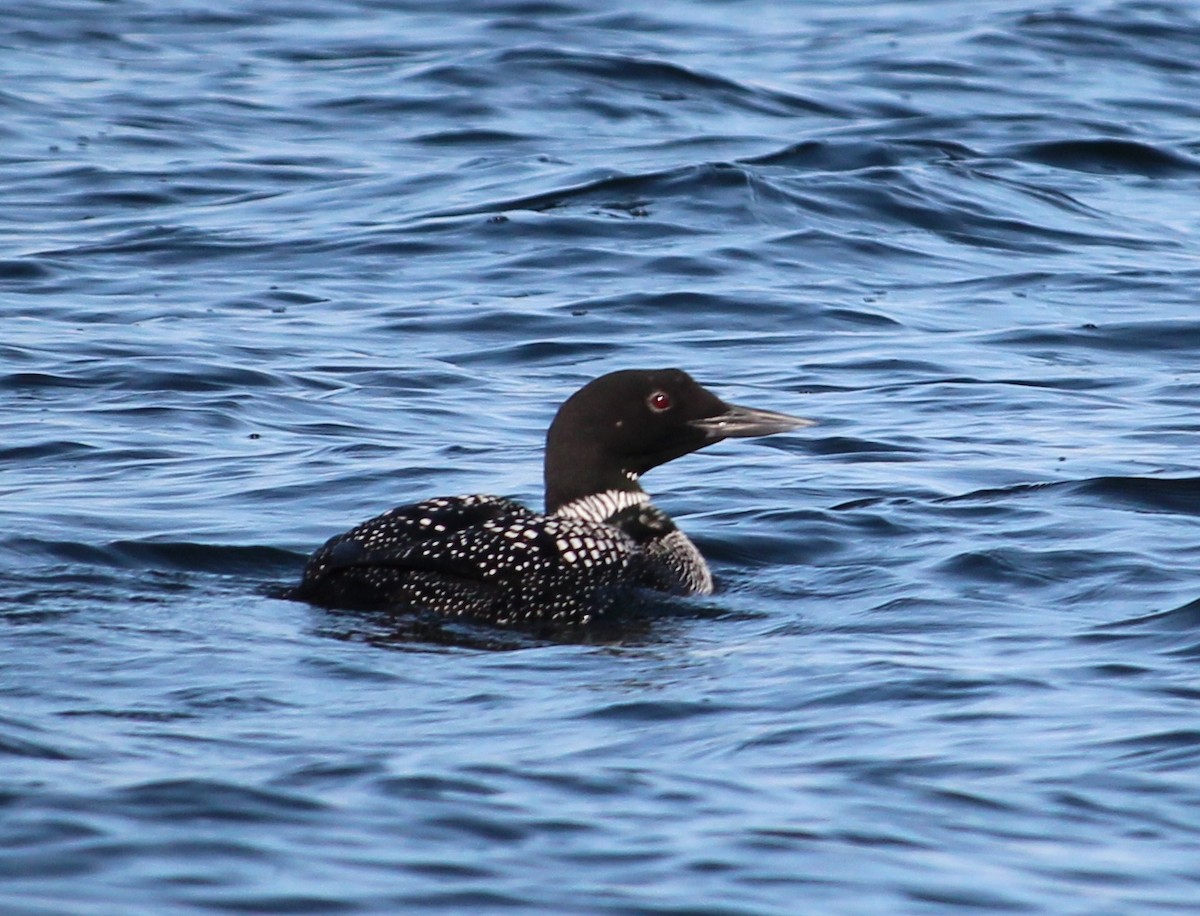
[(35, 829), (211, 801), (153, 716), (1174, 495), (968, 898), (861, 317), (477, 827), (37, 381), (1024, 567), (1131, 33), (1172, 634), (205, 699), (70, 30), (148, 374), (310, 776), (449, 871), (274, 903), (1132, 284), (655, 711), (910, 689), (907, 769), (342, 670), (597, 785), (1144, 337), (391, 243), (850, 156), (642, 619), (50, 449), (665, 82), (31, 586), (1062, 383), (628, 194), (934, 203), (354, 52), (210, 378), (405, 631), (1119, 670), (882, 838), (461, 901), (15, 746), (999, 494), (169, 556), (892, 368), (131, 198), (481, 320), (24, 269), (463, 108), (1169, 749), (782, 737), (252, 173), (433, 788), (1180, 621), (797, 538), (539, 353), (276, 300), (690, 309), (862, 449), (1108, 156), (166, 245), (682, 309), (469, 137)]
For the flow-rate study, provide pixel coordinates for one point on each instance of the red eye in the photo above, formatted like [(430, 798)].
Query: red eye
[(659, 401)]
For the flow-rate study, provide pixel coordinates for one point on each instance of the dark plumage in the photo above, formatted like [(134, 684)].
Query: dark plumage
[(492, 559)]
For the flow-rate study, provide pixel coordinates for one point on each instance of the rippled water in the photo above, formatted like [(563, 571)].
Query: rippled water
[(267, 269)]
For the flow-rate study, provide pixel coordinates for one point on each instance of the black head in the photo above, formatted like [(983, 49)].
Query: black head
[(619, 426)]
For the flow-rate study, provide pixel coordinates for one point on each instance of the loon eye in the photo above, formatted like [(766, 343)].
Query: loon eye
[(659, 401)]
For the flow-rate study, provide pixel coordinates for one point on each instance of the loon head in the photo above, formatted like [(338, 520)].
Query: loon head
[(619, 426)]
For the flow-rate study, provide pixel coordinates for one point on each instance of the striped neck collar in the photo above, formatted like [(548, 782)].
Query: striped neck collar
[(600, 507)]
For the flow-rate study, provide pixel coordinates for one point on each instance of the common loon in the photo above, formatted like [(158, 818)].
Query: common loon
[(491, 559)]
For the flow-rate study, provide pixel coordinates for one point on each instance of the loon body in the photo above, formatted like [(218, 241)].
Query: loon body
[(491, 559)]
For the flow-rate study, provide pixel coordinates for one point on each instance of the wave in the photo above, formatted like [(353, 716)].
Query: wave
[(23, 553), (1108, 156)]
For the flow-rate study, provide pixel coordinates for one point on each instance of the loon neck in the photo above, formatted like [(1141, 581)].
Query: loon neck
[(602, 506), (582, 479)]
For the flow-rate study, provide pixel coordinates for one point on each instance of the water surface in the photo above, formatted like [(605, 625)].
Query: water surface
[(268, 269)]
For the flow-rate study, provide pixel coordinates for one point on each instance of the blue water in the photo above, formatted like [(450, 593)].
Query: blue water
[(268, 269)]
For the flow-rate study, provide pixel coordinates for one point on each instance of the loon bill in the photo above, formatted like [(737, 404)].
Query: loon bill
[(491, 559)]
